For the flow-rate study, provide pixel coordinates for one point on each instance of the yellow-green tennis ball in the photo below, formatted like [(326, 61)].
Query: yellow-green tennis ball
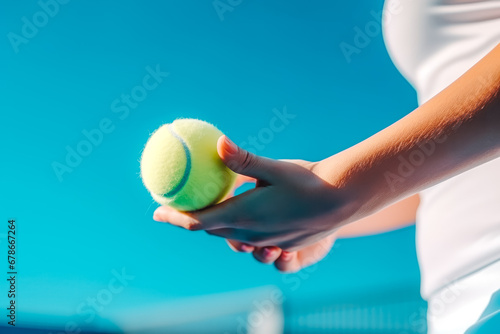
[(181, 168)]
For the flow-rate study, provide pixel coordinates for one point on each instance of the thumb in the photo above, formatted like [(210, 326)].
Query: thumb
[(243, 162)]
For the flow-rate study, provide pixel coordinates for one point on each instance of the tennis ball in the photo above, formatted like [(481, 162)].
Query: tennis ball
[(181, 168)]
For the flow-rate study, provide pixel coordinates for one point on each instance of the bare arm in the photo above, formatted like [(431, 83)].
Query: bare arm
[(398, 215), (460, 126), (302, 203)]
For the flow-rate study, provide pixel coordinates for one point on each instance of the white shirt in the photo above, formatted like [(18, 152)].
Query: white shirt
[(433, 42)]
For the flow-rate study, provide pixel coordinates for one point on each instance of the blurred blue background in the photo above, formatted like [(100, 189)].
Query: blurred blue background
[(229, 62)]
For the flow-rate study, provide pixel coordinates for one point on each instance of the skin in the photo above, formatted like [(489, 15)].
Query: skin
[(396, 216), (299, 208)]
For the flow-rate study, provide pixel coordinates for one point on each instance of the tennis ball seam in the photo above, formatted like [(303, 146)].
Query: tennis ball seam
[(187, 170), (181, 168)]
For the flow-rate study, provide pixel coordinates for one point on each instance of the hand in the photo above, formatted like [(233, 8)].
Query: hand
[(288, 262), (291, 207)]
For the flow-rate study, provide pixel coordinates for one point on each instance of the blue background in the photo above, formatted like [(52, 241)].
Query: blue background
[(231, 72)]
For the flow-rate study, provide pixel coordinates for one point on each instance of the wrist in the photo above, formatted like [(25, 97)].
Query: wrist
[(354, 183)]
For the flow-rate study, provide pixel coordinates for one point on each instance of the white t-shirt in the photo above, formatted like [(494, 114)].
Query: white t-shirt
[(433, 42)]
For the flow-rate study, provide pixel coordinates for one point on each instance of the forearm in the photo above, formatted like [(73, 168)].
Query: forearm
[(455, 131), (396, 216)]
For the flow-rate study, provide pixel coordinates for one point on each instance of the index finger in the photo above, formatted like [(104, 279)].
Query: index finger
[(222, 215), (166, 214)]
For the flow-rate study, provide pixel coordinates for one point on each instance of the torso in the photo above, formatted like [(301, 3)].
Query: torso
[(433, 42)]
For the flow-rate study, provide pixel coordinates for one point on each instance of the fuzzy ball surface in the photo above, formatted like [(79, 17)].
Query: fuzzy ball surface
[(181, 168)]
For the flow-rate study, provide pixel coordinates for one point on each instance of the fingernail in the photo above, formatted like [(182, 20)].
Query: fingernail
[(246, 248), (286, 256), (230, 147), (157, 215)]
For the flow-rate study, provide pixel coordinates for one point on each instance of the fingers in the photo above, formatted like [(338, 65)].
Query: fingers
[(186, 220), (226, 233), (232, 212), (238, 246), (246, 163), (222, 215), (267, 254), (252, 239), (288, 262), (261, 254), (283, 261), (291, 262)]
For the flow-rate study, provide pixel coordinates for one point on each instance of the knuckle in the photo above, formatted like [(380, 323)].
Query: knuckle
[(288, 247), (248, 160), (193, 225), (262, 259)]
